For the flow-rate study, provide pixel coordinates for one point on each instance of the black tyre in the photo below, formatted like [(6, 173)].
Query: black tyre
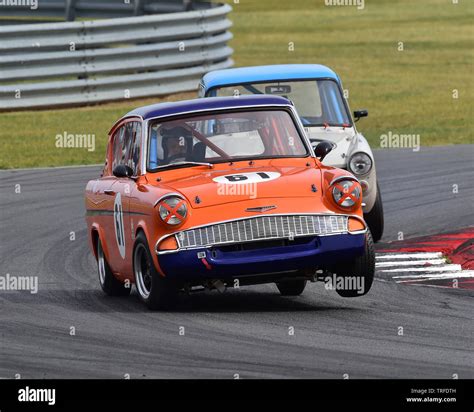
[(291, 287), (374, 218), (359, 273), (154, 290), (109, 283)]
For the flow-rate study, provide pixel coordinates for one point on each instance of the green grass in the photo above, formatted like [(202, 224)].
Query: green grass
[(405, 92)]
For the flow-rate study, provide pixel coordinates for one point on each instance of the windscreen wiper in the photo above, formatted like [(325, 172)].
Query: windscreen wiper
[(186, 163), (328, 125)]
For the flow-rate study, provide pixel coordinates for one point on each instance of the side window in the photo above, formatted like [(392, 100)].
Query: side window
[(122, 145), (134, 160), (117, 147)]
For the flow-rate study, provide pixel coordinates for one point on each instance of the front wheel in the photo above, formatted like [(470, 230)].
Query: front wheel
[(374, 218), (355, 278), (153, 289)]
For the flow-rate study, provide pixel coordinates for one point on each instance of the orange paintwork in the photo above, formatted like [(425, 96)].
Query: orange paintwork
[(292, 192), (168, 244), (355, 225)]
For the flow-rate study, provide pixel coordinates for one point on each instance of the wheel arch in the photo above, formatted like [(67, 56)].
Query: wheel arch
[(143, 228), (97, 233)]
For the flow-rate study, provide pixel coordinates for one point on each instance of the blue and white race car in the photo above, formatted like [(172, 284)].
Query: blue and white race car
[(318, 96)]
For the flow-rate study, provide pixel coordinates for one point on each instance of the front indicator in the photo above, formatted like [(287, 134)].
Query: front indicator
[(355, 225), (168, 244)]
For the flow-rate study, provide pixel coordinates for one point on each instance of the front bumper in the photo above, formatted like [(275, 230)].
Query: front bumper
[(222, 263)]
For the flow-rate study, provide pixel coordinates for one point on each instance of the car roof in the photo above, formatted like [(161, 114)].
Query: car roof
[(267, 73), (214, 103)]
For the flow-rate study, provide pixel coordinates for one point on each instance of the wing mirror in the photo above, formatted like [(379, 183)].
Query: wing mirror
[(360, 113), (122, 171), (322, 149)]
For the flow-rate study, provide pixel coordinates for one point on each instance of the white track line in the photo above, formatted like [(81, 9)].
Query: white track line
[(418, 268), (411, 263), (462, 274), (445, 268), (421, 255), (456, 276)]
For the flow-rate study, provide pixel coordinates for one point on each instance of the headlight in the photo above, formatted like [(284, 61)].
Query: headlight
[(360, 163), (173, 210), (346, 193)]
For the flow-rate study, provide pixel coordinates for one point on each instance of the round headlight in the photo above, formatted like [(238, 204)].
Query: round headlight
[(173, 210), (346, 193), (360, 163)]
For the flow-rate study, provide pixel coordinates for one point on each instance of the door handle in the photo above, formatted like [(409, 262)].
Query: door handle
[(109, 192)]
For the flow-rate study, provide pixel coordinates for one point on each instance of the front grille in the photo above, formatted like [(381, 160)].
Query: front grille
[(262, 228)]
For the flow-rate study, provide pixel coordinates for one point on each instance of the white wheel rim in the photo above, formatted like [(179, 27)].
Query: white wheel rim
[(142, 271), (101, 264)]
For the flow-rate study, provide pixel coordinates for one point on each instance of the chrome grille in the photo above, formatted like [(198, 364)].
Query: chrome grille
[(262, 228)]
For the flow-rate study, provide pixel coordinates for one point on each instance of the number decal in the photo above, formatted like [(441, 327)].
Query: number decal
[(236, 178), (243, 178), (118, 223)]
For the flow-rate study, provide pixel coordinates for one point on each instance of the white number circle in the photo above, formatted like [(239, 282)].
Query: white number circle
[(118, 223), (246, 178)]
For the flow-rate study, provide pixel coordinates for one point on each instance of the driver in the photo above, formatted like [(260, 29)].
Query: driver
[(175, 144)]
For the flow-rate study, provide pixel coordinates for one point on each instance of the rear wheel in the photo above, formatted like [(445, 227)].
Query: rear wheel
[(153, 289), (291, 287), (356, 276), (109, 283), (374, 218)]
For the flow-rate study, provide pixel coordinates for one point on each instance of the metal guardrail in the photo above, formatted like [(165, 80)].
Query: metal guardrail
[(73, 63), (79, 9)]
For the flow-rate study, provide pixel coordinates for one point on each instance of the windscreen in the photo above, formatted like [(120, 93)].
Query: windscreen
[(318, 102), (224, 136)]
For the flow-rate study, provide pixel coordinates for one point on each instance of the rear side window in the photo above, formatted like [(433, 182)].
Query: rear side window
[(117, 147), (136, 142), (126, 146)]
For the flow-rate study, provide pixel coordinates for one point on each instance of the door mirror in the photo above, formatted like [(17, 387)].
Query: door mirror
[(322, 149), (360, 113), (122, 171)]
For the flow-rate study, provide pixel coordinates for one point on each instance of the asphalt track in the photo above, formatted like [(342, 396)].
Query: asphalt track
[(245, 331)]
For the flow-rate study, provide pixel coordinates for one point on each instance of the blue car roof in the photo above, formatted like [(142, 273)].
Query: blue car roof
[(267, 73), (189, 106)]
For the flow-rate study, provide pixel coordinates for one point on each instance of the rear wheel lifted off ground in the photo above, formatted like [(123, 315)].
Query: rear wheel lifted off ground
[(292, 287), (109, 283), (153, 289)]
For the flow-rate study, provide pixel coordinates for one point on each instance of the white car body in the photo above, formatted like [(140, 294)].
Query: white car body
[(348, 142), (285, 80)]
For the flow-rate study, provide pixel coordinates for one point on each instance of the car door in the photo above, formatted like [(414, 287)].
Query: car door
[(127, 153)]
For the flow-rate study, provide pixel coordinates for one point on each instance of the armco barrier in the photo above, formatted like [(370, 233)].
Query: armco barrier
[(80, 62)]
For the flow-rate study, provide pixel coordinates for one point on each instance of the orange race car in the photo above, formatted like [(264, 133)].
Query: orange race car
[(223, 192)]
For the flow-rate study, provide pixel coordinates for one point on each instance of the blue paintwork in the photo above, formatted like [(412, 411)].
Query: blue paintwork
[(189, 106), (227, 77), (319, 251)]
